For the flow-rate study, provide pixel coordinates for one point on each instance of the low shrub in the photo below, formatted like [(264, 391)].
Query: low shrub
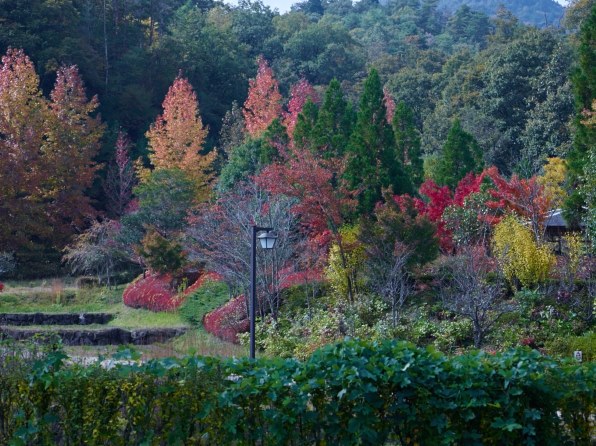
[(87, 282), (152, 292), (351, 393), (229, 320), (201, 280), (565, 346), (163, 292)]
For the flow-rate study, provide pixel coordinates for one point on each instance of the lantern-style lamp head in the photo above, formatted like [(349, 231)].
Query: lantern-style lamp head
[(267, 239)]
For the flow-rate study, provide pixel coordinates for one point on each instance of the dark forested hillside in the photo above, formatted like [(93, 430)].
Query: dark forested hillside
[(129, 52), (534, 12)]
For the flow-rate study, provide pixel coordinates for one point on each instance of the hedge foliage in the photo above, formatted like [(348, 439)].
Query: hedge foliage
[(346, 394)]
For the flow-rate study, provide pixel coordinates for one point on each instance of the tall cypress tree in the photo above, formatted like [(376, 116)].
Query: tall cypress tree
[(373, 163), (407, 141), (584, 83), (461, 154), (334, 123), (305, 126)]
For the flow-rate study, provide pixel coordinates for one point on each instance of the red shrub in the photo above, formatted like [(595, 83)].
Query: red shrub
[(159, 292), (227, 321), (529, 342), (214, 277), (438, 198), (152, 292), (301, 278), (1, 286)]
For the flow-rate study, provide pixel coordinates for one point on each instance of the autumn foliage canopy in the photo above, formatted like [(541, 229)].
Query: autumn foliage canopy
[(47, 147), (264, 101), (177, 136)]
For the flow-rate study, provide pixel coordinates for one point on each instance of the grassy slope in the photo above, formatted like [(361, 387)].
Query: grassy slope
[(58, 298), (61, 296)]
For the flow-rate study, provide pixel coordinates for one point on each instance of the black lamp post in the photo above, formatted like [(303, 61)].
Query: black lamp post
[(267, 239)]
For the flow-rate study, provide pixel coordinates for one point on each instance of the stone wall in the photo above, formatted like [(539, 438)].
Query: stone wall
[(55, 318), (103, 336)]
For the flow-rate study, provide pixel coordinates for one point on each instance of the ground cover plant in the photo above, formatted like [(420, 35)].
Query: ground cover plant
[(350, 393)]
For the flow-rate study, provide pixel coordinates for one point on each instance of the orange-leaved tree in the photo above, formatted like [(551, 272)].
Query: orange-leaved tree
[(264, 100), (23, 112), (74, 136), (177, 136), (47, 155)]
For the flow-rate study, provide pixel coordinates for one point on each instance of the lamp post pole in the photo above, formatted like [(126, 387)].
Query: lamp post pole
[(253, 286)]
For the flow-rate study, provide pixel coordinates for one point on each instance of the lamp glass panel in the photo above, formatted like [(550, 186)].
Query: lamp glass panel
[(267, 240)]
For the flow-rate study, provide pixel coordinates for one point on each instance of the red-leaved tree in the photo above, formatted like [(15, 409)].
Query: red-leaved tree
[(120, 178), (264, 102), (300, 92), (524, 197), (437, 200), (323, 200), (468, 185)]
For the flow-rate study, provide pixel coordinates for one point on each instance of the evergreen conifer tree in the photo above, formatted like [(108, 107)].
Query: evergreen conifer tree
[(304, 131), (334, 123), (461, 155), (407, 140), (373, 163), (584, 83)]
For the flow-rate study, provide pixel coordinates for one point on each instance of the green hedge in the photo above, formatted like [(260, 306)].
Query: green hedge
[(347, 394)]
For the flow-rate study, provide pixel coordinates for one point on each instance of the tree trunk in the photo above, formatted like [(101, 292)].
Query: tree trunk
[(478, 335)]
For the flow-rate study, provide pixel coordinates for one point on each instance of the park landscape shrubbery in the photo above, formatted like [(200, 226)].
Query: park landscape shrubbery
[(349, 393), (153, 292), (166, 292), (229, 320)]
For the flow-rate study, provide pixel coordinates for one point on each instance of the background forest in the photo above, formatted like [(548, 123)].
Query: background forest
[(410, 157)]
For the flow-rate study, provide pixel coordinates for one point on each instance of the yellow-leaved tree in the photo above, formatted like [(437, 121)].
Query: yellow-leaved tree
[(522, 259), (344, 274), (176, 139), (553, 178)]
